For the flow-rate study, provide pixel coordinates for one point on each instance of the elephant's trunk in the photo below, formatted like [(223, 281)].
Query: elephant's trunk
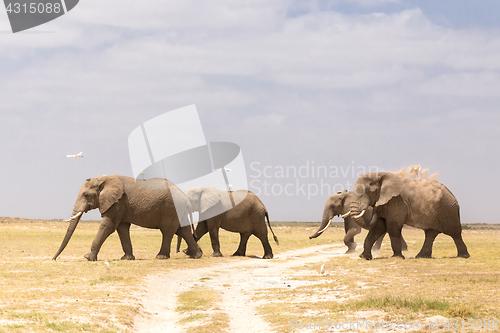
[(325, 223), (357, 215), (71, 228)]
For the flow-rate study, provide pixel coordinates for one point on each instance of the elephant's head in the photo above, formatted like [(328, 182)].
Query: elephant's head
[(334, 206), (99, 192), (205, 200), (373, 189)]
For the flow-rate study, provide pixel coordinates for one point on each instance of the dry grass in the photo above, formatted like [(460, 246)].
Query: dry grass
[(72, 294), (203, 313)]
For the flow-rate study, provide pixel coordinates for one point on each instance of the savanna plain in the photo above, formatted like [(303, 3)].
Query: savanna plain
[(309, 286)]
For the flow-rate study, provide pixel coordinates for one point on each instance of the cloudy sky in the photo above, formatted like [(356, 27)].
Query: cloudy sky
[(342, 85)]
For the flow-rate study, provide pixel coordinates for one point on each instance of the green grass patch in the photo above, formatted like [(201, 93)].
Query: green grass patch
[(202, 300), (197, 299), (390, 303), (218, 323), (194, 317), (107, 279)]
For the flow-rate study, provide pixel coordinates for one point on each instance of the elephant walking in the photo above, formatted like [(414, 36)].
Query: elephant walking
[(424, 203), (217, 210), (155, 204), (338, 204)]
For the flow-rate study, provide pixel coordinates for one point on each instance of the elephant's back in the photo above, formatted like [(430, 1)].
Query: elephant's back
[(434, 202), (249, 205), (155, 197)]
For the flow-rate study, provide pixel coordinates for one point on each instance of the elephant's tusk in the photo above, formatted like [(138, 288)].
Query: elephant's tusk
[(74, 217), (330, 221), (346, 214), (360, 215)]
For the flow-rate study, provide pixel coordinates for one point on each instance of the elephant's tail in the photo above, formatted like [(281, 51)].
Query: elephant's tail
[(268, 223)]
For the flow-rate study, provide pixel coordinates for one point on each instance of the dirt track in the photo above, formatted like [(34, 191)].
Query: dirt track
[(236, 281)]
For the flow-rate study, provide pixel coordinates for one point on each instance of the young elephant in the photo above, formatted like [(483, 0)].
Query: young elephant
[(424, 203), (338, 204), (239, 211), (156, 204)]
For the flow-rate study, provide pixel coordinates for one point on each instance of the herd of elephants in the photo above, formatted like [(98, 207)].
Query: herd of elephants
[(381, 202)]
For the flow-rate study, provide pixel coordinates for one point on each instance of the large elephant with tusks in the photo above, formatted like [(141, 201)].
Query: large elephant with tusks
[(155, 203), (423, 203), (339, 204)]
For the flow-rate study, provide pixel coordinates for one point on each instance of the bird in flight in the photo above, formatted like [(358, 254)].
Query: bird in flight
[(80, 154)]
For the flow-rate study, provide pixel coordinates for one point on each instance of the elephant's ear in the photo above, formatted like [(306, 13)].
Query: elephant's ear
[(111, 190), (343, 195), (390, 186), (209, 198)]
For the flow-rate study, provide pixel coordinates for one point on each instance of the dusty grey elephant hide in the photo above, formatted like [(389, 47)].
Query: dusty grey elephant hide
[(239, 211), (424, 203), (339, 204), (122, 202)]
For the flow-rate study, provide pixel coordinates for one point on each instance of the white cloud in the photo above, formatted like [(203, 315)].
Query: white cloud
[(369, 3), (482, 84)]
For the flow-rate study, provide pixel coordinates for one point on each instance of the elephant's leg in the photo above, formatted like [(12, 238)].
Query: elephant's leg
[(123, 230), (426, 251), (378, 243), (166, 242), (214, 239), (268, 251), (106, 228), (201, 230), (394, 230), (461, 247), (404, 246), (213, 225), (378, 230), (349, 238), (193, 250), (242, 248)]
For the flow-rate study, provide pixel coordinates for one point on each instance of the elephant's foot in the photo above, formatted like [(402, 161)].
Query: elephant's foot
[(216, 254), (238, 254), (398, 256), (351, 248), (367, 256), (268, 256), (197, 255), (91, 256), (128, 257), (463, 255), (162, 256), (424, 255)]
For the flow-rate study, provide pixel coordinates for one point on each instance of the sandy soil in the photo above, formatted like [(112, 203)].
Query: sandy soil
[(236, 279)]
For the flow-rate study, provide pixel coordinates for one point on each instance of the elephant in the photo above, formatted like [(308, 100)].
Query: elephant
[(338, 204), (217, 210), (154, 203), (423, 203)]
